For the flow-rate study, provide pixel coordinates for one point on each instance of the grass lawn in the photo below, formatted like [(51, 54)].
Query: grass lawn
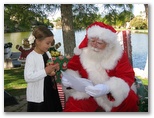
[(15, 84), (144, 81), (143, 94)]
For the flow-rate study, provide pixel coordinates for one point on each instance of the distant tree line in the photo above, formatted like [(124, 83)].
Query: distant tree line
[(23, 17), (138, 23)]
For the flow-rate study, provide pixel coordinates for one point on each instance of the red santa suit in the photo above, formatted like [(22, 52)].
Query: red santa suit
[(112, 69)]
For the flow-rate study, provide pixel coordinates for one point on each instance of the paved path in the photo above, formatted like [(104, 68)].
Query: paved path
[(21, 107)]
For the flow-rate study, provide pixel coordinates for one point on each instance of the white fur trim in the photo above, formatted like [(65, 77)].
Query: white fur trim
[(102, 33), (104, 103), (79, 95), (119, 90), (77, 51)]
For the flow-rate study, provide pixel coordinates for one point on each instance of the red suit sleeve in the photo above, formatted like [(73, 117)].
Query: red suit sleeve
[(124, 70), (75, 65)]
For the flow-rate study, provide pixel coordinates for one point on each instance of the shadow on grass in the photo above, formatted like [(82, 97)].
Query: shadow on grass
[(16, 92), (14, 82), (14, 73)]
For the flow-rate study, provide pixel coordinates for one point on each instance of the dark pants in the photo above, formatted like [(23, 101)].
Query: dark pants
[(35, 107)]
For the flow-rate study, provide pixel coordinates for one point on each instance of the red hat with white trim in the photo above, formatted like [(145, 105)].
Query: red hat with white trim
[(97, 30)]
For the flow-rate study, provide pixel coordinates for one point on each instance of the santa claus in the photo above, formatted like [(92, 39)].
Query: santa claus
[(101, 59)]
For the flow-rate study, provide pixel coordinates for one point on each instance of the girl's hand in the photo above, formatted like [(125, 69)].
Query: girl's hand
[(53, 73), (52, 69)]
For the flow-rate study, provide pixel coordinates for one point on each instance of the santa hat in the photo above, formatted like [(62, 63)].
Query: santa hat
[(99, 30)]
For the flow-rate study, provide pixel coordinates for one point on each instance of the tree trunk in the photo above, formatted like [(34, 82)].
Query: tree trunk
[(67, 28), (146, 11)]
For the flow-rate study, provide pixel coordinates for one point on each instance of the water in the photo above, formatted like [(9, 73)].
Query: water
[(139, 44), (15, 38), (139, 50)]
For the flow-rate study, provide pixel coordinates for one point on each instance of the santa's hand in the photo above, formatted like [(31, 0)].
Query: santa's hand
[(65, 82), (97, 90)]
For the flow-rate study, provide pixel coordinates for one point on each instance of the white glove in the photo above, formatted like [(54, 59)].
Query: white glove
[(97, 90), (65, 82)]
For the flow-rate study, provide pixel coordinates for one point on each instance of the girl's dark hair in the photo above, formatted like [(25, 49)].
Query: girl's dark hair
[(41, 32)]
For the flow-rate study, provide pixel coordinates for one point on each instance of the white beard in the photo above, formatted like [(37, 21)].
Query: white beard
[(107, 58), (97, 62), (95, 54), (91, 60)]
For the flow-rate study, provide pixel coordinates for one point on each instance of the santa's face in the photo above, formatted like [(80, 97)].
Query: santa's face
[(96, 44)]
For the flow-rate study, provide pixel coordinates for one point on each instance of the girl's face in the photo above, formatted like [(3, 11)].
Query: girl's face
[(42, 46)]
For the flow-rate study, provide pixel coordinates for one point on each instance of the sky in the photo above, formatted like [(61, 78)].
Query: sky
[(138, 8), (136, 11)]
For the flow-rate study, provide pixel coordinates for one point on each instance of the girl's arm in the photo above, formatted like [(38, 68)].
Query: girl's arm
[(32, 72)]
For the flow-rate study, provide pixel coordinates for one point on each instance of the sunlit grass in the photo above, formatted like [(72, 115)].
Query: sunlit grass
[(14, 82), (144, 80)]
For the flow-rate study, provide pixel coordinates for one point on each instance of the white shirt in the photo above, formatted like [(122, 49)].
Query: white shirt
[(34, 75)]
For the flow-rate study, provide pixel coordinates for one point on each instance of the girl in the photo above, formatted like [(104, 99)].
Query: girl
[(42, 93)]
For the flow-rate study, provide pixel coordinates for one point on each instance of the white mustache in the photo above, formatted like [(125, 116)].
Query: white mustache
[(95, 49)]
